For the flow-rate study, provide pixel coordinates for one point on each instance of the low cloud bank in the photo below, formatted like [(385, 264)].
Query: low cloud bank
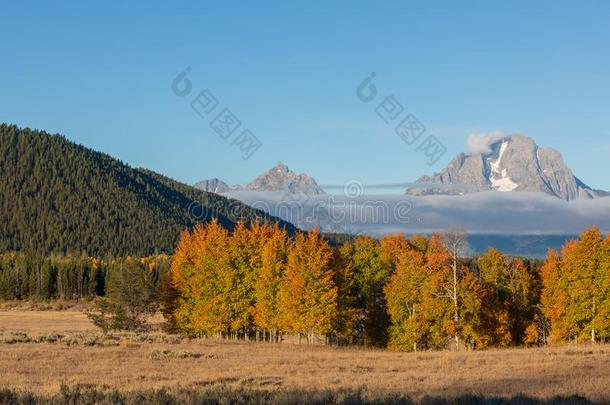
[(479, 213)]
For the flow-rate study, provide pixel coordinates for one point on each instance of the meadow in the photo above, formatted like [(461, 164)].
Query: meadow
[(45, 352)]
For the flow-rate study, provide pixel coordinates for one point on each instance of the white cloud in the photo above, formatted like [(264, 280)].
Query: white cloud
[(479, 213), (480, 143)]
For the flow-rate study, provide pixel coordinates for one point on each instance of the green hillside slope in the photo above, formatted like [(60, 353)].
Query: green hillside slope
[(60, 197)]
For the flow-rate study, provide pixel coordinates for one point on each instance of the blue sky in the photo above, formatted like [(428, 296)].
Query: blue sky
[(101, 74)]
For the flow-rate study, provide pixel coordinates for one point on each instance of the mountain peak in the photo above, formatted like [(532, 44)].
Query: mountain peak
[(215, 185), (280, 168), (281, 178), (278, 178), (506, 163)]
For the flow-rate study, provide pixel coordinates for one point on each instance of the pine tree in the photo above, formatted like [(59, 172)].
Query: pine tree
[(131, 297), (371, 273)]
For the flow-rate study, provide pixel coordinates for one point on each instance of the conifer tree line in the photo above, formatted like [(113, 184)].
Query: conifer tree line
[(28, 277), (416, 294)]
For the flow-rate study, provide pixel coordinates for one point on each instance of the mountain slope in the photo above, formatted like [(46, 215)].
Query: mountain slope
[(507, 163), (58, 197)]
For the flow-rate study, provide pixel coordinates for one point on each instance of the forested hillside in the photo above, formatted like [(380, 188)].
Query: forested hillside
[(60, 197)]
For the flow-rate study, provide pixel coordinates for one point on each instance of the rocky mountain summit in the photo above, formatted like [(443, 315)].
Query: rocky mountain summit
[(506, 163), (217, 186), (278, 178)]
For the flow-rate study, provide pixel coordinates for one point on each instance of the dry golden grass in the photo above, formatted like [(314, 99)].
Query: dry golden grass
[(45, 321), (128, 364)]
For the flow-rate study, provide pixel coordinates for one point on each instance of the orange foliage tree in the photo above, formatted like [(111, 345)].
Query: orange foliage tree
[(308, 294), (513, 294)]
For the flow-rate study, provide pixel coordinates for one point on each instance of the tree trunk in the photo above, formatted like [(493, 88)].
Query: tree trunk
[(592, 328), (456, 317)]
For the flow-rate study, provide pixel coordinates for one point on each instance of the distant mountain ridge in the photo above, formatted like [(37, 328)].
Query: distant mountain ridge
[(507, 163), (278, 178), (215, 185)]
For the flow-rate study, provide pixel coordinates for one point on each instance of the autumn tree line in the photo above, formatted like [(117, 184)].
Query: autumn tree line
[(407, 294), (257, 282)]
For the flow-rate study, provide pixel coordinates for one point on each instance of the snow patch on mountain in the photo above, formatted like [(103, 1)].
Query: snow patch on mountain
[(499, 178)]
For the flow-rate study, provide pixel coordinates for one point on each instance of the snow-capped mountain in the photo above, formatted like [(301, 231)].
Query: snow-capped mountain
[(507, 163), (278, 178)]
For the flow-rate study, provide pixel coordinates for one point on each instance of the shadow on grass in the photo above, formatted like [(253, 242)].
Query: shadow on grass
[(220, 394)]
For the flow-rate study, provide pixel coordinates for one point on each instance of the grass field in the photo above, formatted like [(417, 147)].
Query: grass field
[(41, 350)]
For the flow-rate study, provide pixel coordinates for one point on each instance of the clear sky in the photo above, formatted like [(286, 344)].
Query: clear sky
[(101, 74)]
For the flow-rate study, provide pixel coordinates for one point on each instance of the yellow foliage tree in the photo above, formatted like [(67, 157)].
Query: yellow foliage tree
[(404, 295), (553, 297), (514, 293), (200, 261), (308, 295), (273, 264), (576, 293)]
